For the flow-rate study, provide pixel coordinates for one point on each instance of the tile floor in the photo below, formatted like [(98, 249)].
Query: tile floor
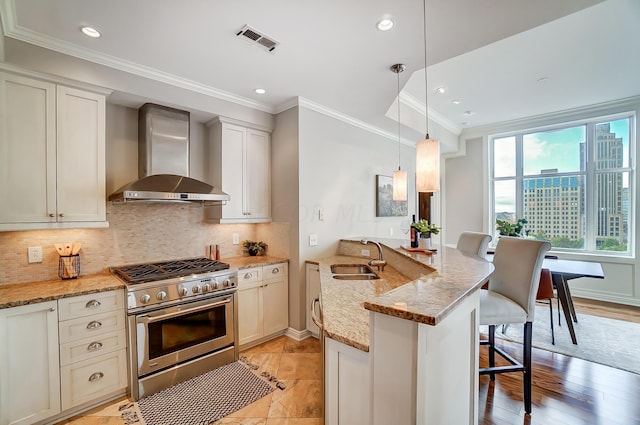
[(297, 364)]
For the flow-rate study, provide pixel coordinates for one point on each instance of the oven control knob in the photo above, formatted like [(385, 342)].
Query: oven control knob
[(145, 298), (161, 295), (217, 284), (206, 287), (195, 289), (227, 283), (183, 292)]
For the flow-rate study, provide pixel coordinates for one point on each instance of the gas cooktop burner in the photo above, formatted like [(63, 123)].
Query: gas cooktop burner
[(150, 272)]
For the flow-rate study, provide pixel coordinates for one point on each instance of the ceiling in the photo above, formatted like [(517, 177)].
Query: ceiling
[(489, 54)]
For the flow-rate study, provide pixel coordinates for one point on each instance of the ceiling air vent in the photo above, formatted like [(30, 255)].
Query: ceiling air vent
[(255, 37)]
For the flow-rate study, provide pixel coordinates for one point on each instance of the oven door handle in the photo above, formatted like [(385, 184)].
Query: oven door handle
[(151, 318)]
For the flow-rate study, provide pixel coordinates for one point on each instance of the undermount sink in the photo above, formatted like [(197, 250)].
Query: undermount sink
[(353, 272), (356, 276), (351, 269)]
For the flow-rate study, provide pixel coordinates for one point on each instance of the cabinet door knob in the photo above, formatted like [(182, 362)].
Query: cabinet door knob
[(52, 309), (247, 275), (94, 346), (52, 215), (61, 215), (92, 304), (96, 376), (94, 324), (275, 270)]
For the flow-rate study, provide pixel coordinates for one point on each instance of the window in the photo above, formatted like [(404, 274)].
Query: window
[(571, 183)]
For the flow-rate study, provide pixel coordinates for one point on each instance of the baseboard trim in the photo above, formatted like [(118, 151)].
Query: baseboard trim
[(599, 296), (296, 334)]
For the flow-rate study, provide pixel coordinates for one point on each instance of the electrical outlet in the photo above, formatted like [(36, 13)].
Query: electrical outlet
[(313, 240), (364, 252), (236, 239), (35, 254)]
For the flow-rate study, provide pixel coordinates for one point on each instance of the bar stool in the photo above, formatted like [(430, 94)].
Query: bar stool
[(510, 299), (473, 243)]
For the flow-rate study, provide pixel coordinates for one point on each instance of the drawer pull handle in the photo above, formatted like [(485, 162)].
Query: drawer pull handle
[(94, 324), (92, 304), (52, 309), (275, 270), (96, 376), (248, 275), (94, 346)]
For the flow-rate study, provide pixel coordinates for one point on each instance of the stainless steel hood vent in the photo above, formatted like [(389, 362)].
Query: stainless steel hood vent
[(163, 161)]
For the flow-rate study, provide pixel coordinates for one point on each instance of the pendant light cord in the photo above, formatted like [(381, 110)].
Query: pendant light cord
[(426, 87), (398, 120)]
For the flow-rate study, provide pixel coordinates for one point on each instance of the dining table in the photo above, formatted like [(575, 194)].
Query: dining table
[(561, 272)]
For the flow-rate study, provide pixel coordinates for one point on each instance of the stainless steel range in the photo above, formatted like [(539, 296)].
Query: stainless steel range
[(182, 320)]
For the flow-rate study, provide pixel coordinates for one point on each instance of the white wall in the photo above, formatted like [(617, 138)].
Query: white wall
[(466, 180)]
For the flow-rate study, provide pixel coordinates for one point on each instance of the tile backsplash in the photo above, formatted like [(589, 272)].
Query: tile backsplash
[(138, 232)]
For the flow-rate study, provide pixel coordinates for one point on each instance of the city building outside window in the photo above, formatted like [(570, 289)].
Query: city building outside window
[(573, 183)]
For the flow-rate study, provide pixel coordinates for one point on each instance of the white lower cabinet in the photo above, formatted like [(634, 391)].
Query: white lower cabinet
[(263, 302), (29, 367), (313, 290), (92, 347), (347, 384)]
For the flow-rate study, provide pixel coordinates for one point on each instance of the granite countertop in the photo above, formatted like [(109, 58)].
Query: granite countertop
[(246, 262), (414, 286), (18, 294)]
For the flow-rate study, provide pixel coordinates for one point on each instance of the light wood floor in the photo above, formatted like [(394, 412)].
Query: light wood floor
[(566, 390)]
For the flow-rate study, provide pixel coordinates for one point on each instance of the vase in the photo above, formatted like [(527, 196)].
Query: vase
[(425, 242), (252, 251)]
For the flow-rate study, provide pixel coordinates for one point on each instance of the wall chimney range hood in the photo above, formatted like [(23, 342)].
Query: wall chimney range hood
[(163, 161)]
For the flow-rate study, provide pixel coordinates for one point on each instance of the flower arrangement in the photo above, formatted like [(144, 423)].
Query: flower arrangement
[(254, 248), (506, 228), (425, 229)]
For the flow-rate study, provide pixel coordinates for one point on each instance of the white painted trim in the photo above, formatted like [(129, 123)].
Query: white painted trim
[(226, 120), (604, 296), (54, 79), (296, 334), (15, 31), (418, 106)]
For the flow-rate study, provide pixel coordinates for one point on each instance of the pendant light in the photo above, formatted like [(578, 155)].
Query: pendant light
[(427, 150), (399, 176)]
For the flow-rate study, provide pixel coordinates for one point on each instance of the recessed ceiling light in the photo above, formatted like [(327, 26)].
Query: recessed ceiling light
[(543, 80), (385, 24), (260, 91), (468, 113), (440, 90), (455, 102), (91, 32)]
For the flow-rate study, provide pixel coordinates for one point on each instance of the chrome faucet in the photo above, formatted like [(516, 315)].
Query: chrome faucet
[(380, 263)]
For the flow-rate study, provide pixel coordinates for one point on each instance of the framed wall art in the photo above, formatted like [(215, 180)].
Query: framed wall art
[(385, 205)]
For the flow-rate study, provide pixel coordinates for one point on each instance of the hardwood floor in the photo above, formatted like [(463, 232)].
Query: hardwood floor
[(565, 390)]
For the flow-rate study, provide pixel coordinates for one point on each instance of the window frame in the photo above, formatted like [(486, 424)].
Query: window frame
[(589, 173)]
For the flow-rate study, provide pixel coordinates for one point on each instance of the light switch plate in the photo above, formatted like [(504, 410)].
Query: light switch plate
[(313, 240), (236, 239)]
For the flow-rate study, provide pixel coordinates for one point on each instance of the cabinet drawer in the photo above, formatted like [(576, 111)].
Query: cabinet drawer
[(91, 379), (87, 327), (90, 304), (90, 348), (274, 271), (249, 275)]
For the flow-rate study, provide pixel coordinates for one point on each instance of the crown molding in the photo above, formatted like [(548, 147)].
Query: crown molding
[(13, 30), (308, 104), (418, 106)]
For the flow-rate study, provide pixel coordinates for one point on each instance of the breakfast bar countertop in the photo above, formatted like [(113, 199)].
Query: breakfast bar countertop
[(413, 286)]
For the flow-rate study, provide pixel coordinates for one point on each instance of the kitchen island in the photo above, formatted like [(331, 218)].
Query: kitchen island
[(403, 348)]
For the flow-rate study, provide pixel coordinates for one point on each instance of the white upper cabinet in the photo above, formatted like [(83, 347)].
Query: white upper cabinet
[(241, 166), (52, 155)]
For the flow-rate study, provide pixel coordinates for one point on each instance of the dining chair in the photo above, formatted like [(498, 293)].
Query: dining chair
[(545, 292), (510, 299), (473, 243)]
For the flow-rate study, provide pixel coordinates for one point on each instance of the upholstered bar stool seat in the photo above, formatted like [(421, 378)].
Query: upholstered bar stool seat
[(510, 299), (473, 243)]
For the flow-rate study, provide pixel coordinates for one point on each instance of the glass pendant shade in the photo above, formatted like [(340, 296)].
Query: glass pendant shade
[(427, 165), (399, 185)]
